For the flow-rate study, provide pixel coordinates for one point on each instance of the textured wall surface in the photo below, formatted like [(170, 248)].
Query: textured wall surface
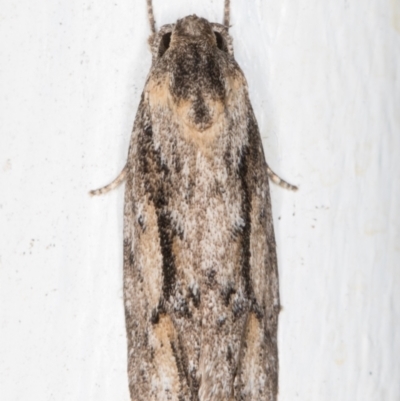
[(324, 82)]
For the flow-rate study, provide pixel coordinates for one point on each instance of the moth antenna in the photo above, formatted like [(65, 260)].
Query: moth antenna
[(227, 12), (150, 13)]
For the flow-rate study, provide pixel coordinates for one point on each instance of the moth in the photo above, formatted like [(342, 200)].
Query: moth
[(201, 286)]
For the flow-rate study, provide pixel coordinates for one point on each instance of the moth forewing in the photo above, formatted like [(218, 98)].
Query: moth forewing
[(200, 271)]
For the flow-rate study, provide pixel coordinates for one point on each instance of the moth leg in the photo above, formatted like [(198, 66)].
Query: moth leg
[(278, 180), (117, 182)]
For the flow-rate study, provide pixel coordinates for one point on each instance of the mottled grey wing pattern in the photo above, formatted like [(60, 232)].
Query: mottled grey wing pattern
[(200, 272)]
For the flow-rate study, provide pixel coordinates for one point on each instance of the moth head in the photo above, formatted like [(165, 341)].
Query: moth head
[(190, 29)]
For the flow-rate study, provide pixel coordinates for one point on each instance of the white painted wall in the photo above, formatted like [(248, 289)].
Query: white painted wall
[(324, 82)]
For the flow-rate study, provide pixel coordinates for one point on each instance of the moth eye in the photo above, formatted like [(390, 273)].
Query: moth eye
[(221, 44), (164, 44)]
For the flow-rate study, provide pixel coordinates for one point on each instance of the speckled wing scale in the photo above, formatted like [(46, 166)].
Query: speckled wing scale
[(200, 272)]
